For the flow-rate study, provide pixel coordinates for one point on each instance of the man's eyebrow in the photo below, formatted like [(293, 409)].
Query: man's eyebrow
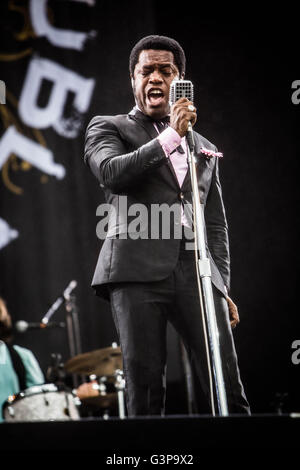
[(161, 66)]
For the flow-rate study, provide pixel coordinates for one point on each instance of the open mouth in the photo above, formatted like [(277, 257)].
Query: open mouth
[(155, 96)]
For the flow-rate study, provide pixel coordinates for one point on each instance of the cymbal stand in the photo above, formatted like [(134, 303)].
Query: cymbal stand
[(120, 387)]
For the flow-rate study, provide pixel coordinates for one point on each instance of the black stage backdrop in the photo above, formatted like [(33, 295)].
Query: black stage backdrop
[(64, 62)]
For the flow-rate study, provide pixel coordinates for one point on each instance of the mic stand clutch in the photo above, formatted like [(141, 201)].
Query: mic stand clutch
[(205, 287)]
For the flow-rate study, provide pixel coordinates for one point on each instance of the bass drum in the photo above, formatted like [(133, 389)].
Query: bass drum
[(41, 403)]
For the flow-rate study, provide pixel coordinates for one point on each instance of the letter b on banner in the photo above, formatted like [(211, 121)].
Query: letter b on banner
[(63, 80)]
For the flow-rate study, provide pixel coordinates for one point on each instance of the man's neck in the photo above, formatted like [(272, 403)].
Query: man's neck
[(150, 117)]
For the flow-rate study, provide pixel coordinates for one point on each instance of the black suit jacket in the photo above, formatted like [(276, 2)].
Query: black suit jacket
[(125, 156)]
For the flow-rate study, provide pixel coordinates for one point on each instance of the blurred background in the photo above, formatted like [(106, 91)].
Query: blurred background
[(242, 63)]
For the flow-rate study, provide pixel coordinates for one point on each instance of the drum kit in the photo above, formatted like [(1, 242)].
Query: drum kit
[(100, 372), (103, 392)]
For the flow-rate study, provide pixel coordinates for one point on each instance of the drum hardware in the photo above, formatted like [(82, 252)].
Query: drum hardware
[(55, 371), (101, 387), (120, 386), (110, 398), (10, 409), (68, 404), (99, 394), (46, 401)]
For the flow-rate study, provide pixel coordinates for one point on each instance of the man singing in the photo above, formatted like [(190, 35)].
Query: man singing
[(152, 280)]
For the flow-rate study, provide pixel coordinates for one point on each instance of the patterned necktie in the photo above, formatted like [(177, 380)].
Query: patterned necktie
[(162, 124)]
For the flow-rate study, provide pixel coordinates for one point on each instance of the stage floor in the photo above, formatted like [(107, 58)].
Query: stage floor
[(146, 436)]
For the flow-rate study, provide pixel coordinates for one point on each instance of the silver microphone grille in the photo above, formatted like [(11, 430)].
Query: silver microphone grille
[(181, 89)]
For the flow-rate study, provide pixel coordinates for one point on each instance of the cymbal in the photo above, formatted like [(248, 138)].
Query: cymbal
[(99, 362)]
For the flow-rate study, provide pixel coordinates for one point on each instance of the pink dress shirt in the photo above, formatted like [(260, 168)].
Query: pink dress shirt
[(170, 140)]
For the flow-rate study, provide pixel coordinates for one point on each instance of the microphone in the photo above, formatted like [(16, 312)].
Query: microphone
[(21, 326), (183, 89)]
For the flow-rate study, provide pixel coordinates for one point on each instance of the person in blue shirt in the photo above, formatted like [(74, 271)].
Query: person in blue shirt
[(19, 368)]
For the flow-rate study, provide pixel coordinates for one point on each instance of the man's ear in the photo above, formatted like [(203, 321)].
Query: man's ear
[(132, 80), (182, 76)]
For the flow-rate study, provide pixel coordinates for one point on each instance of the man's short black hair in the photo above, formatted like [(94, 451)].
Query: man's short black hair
[(158, 43)]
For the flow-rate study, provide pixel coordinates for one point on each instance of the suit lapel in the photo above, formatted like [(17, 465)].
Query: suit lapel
[(144, 121), (147, 124), (187, 180), (202, 161)]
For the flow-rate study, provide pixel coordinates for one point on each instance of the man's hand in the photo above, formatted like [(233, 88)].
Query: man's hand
[(88, 390), (181, 115), (233, 313)]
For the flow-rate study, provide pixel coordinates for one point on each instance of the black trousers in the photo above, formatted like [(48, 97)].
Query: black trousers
[(141, 312)]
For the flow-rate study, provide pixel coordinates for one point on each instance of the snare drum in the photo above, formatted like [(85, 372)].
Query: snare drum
[(41, 403)]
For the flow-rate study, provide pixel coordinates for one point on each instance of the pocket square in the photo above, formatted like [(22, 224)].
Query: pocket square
[(210, 153)]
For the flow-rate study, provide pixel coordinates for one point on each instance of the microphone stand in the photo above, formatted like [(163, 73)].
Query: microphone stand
[(205, 288), (73, 329)]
